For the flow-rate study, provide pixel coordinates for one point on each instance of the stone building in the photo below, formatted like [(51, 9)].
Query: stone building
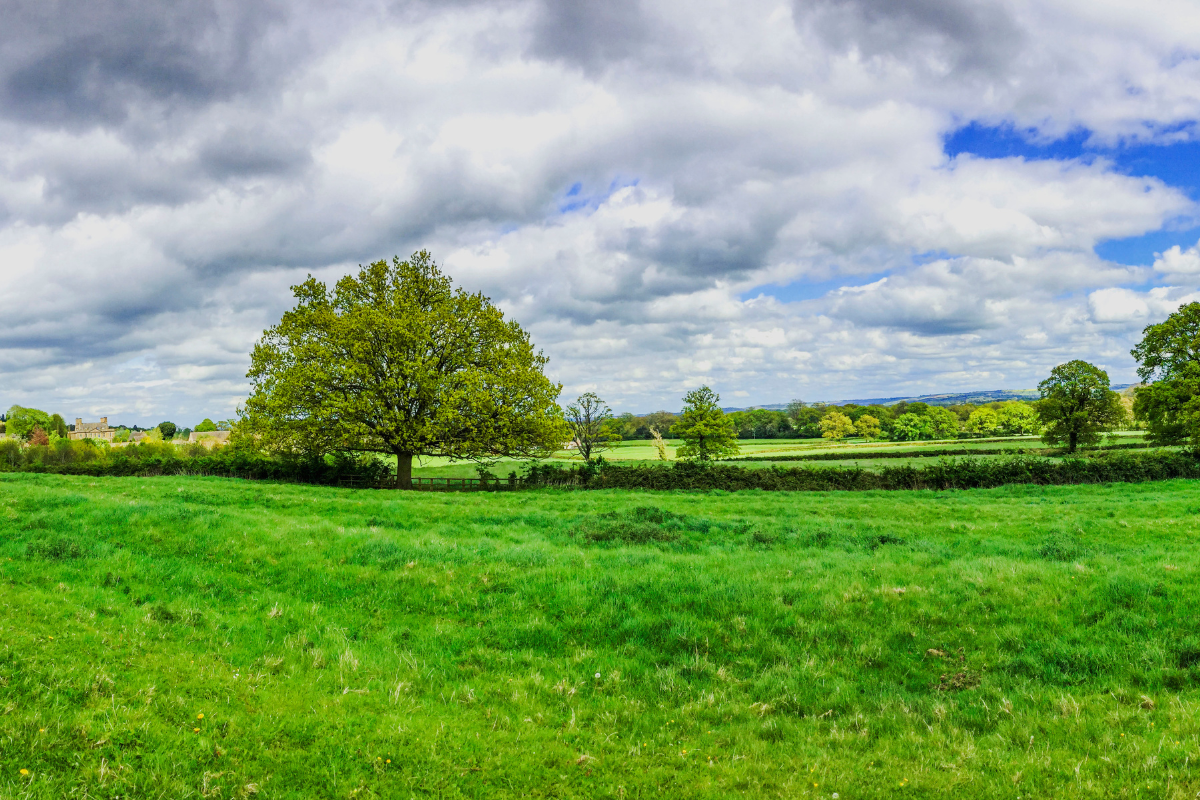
[(92, 430), (217, 437)]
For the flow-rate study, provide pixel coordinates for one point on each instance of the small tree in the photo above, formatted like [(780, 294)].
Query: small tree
[(167, 429), (396, 360), (1077, 405), (37, 436), (206, 426), (943, 423), (867, 427), (706, 432), (836, 425), (587, 419)]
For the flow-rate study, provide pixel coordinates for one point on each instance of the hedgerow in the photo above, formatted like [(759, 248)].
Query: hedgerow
[(948, 473)]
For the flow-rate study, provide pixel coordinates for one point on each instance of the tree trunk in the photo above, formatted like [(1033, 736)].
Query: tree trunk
[(404, 470), (1072, 439)]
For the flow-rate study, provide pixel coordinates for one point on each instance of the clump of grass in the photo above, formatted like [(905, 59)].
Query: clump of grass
[(1062, 546), (56, 548)]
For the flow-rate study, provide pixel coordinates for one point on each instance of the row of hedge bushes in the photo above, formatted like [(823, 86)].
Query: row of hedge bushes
[(864, 454), (147, 459), (951, 473)]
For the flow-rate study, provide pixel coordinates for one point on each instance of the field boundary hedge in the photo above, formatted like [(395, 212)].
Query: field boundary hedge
[(936, 453), (947, 474)]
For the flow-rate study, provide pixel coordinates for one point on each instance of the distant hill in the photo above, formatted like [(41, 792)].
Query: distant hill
[(976, 398)]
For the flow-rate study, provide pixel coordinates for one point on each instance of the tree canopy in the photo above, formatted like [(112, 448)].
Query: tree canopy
[(1169, 354), (1170, 346), (21, 421), (396, 360), (836, 425), (705, 430), (1077, 405)]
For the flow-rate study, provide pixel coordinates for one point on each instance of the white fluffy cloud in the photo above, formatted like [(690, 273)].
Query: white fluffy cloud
[(623, 178)]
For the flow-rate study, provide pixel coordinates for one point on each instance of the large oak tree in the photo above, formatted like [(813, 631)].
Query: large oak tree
[(395, 360)]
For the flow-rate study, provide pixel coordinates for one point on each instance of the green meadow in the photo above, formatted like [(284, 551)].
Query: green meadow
[(203, 637), (775, 451)]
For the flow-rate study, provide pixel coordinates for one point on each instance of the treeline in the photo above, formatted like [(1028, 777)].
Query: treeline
[(34, 426), (902, 422)]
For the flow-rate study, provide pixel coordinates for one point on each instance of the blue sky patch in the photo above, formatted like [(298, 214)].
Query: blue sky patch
[(1176, 165)]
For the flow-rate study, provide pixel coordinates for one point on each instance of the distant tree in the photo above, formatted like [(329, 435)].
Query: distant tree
[(943, 423), (226, 424), (1017, 419), (37, 436), (153, 435), (1077, 405), (57, 426), (1169, 364), (982, 422), (836, 425), (910, 427), (21, 421), (703, 427), (867, 427), (167, 429), (795, 409), (122, 435), (396, 360), (206, 426), (587, 419)]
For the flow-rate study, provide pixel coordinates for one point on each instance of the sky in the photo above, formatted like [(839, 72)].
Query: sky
[(821, 200)]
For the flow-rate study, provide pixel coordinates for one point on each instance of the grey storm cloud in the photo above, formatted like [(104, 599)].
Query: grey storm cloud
[(168, 170), (78, 63)]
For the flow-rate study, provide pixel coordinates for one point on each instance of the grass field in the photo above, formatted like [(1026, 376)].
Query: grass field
[(173, 637), (856, 451)]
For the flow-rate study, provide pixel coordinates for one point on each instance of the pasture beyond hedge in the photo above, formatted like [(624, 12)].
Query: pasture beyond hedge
[(206, 637)]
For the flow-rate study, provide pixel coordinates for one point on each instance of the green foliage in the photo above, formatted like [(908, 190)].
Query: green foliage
[(354, 644), (395, 360), (983, 422), (911, 427), (21, 421), (206, 426), (588, 421), (948, 473), (867, 427), (706, 433), (1017, 419), (836, 425), (943, 424), (57, 426), (167, 429), (1168, 348), (1077, 405), (1171, 407)]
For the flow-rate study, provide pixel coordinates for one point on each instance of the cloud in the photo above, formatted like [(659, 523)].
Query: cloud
[(167, 171)]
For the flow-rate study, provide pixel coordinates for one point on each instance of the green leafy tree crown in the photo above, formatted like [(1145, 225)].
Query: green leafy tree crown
[(395, 360), (1077, 405), (706, 432), (206, 426), (1169, 355)]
